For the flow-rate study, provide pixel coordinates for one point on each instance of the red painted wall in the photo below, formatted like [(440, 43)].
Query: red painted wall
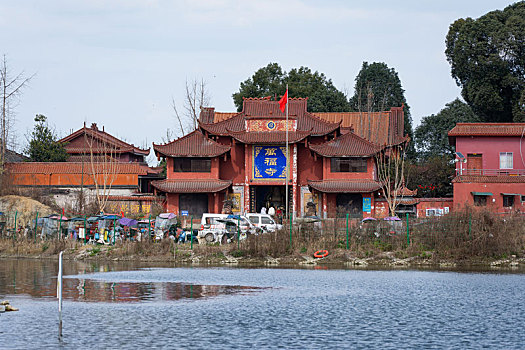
[(328, 174), (490, 147), (214, 174), (307, 167), (463, 195), (433, 203), (233, 167)]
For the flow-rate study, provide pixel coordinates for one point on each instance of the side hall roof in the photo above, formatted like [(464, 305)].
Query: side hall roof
[(486, 129), (76, 168), (344, 186), (195, 144), (347, 145), (93, 131), (191, 186)]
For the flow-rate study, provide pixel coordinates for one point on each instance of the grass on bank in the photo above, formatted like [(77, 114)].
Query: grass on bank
[(461, 235)]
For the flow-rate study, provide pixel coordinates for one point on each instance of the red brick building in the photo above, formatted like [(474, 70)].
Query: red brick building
[(490, 167), (96, 159), (242, 156)]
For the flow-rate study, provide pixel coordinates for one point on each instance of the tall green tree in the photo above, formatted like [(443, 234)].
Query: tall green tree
[(271, 80), (378, 88), (431, 136), (43, 145), (487, 58)]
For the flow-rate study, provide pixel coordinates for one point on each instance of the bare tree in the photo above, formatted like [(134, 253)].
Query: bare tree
[(390, 161), (391, 173), (10, 89), (196, 96), (104, 168)]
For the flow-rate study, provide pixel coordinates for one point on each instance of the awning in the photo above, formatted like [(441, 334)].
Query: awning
[(511, 194), (482, 193)]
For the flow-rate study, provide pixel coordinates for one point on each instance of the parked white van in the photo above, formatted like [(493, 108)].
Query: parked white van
[(264, 221), (212, 225)]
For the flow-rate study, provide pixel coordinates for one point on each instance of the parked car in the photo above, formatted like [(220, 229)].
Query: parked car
[(212, 225), (264, 222)]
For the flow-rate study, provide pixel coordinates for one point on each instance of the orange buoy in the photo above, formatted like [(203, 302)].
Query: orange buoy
[(321, 253)]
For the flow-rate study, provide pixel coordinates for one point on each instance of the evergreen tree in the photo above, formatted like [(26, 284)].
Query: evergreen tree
[(378, 88), (43, 145), (487, 58), (431, 136), (271, 80)]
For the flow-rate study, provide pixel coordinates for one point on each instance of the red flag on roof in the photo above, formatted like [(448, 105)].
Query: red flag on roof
[(283, 101)]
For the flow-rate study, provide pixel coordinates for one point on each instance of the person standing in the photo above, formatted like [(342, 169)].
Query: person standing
[(271, 211)]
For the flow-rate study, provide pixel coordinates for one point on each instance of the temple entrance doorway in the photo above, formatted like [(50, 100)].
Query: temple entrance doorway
[(266, 196), (349, 203)]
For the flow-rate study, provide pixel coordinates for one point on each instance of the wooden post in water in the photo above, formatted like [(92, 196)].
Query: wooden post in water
[(14, 233), (36, 224), (59, 295), (347, 215)]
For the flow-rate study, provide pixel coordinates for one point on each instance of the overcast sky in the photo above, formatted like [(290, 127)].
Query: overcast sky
[(120, 62)]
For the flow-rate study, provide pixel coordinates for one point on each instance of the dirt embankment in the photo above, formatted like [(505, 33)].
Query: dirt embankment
[(228, 255), (24, 207)]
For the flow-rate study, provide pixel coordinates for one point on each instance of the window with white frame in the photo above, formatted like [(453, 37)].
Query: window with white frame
[(505, 160)]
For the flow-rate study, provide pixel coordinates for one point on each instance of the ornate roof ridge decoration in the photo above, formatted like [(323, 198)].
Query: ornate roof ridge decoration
[(194, 144), (191, 186), (404, 191), (346, 145), (487, 129), (102, 135), (255, 108), (269, 137), (344, 186)]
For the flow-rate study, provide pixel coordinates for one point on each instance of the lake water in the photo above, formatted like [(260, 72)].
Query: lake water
[(121, 306)]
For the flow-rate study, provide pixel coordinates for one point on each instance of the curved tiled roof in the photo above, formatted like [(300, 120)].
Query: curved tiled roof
[(235, 124), (195, 144), (191, 186), (347, 145), (263, 107), (344, 186), (120, 146), (75, 168), (489, 179), (487, 129), (253, 106), (270, 137)]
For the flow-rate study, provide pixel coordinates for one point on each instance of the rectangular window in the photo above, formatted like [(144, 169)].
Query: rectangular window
[(508, 201), (505, 160), (192, 165), (480, 201), (348, 165)]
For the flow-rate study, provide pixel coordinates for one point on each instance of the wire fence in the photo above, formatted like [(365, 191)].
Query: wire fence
[(468, 231)]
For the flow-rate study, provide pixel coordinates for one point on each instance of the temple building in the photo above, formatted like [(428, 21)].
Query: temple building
[(242, 157)]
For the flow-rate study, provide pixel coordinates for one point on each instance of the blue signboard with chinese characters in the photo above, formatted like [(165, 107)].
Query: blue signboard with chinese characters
[(367, 204), (269, 162)]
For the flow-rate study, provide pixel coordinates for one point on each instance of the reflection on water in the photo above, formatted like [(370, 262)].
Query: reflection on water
[(38, 279), (303, 309), (89, 290)]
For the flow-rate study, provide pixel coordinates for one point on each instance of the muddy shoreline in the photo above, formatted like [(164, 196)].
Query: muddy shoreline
[(339, 258)]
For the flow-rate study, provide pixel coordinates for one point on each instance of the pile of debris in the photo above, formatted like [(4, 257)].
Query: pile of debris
[(25, 207), (7, 306)]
